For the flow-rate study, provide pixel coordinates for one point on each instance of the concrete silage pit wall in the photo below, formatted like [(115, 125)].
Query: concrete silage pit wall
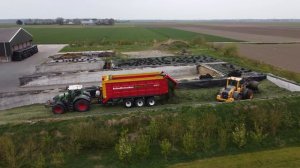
[(8, 100), (83, 71), (284, 83), (89, 77), (69, 67)]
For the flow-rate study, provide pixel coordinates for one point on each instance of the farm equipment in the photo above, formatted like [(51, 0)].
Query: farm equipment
[(135, 89), (76, 98), (131, 89), (237, 89)]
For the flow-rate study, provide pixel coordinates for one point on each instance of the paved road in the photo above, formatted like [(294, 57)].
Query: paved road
[(11, 71)]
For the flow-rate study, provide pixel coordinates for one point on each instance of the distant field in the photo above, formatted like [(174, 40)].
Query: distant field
[(286, 157), (285, 56), (67, 35), (251, 32)]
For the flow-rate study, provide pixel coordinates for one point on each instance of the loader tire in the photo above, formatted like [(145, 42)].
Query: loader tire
[(249, 94)]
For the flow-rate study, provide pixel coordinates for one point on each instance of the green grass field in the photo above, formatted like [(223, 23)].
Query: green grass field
[(279, 158), (67, 35)]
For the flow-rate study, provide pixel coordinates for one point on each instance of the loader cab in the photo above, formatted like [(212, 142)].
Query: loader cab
[(234, 83)]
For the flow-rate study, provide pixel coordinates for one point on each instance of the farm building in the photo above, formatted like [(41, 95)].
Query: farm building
[(87, 22), (16, 44)]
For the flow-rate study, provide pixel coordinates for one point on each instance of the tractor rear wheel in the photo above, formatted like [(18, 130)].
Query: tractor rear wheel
[(139, 102), (150, 101), (82, 105), (58, 109)]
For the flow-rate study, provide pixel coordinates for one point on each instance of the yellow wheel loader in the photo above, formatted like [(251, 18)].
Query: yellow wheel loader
[(237, 89)]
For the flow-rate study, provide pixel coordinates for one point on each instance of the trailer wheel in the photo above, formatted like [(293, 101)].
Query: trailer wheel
[(82, 105), (140, 102), (151, 101), (58, 109), (128, 103)]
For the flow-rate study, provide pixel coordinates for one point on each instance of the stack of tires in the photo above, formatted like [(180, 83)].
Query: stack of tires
[(24, 53)]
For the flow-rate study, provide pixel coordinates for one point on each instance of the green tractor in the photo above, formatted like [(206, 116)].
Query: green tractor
[(75, 99)]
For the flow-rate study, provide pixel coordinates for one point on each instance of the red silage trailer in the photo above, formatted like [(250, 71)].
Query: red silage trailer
[(136, 89)]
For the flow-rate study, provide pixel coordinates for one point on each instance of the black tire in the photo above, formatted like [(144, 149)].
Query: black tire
[(82, 105), (236, 96), (139, 102), (58, 109), (128, 103), (249, 94), (150, 101)]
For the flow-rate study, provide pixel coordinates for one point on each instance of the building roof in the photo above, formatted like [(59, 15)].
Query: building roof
[(7, 34)]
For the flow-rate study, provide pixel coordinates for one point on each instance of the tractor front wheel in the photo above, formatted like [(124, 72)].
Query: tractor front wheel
[(58, 109), (82, 105)]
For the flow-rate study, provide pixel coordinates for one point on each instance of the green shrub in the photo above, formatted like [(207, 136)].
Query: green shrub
[(207, 125), (28, 150), (40, 161), (153, 130), (175, 130), (193, 126), (165, 147), (8, 152), (222, 138), (88, 135), (257, 135), (189, 143), (259, 117), (239, 135), (124, 147), (142, 146), (47, 143), (275, 119), (57, 159)]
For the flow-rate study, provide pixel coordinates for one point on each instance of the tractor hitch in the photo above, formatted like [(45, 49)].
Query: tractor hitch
[(48, 104)]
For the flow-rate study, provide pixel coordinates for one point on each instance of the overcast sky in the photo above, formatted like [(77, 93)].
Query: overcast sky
[(151, 9)]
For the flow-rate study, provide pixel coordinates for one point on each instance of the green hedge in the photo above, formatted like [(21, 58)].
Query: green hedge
[(193, 132)]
